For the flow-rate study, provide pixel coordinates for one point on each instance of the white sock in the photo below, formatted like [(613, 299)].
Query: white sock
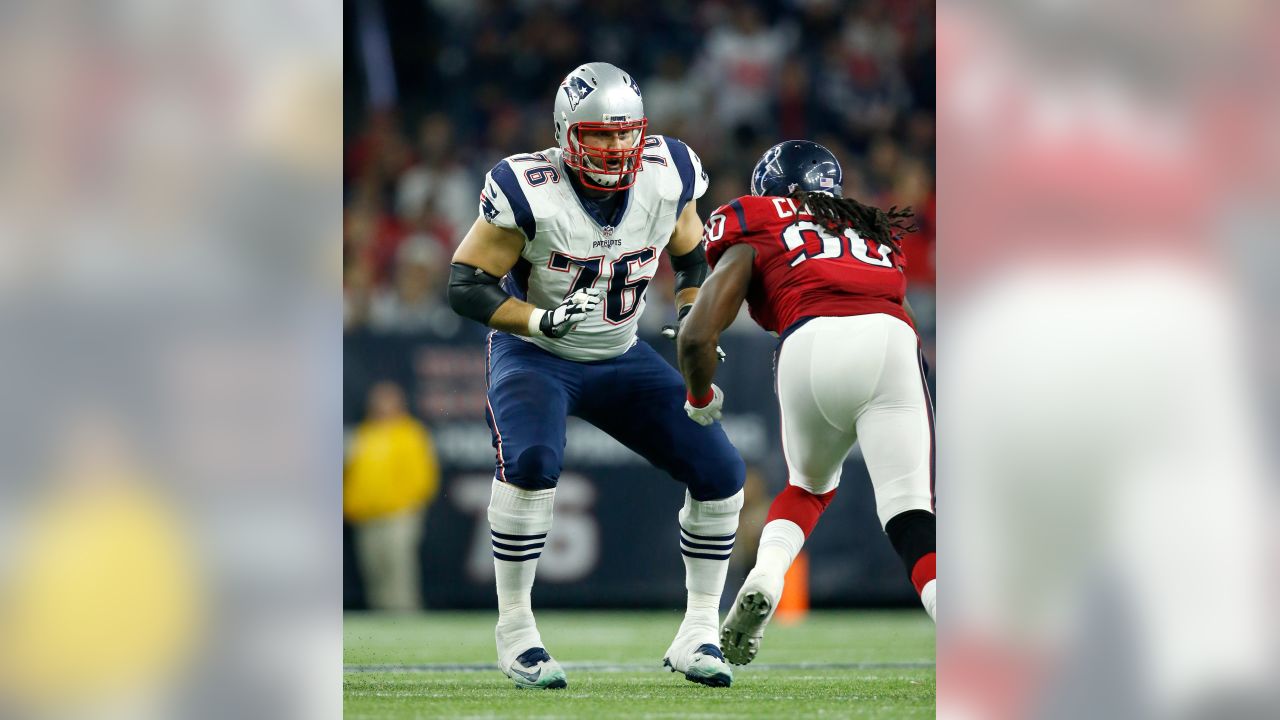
[(929, 596), (780, 543), (707, 531), (519, 521)]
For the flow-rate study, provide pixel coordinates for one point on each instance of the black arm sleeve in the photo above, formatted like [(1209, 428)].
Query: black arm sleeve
[(474, 293), (691, 268)]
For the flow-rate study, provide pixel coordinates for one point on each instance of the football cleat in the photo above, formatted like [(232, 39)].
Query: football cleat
[(703, 664), (535, 669), (744, 626)]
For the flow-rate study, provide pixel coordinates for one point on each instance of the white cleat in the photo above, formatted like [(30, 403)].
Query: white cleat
[(526, 661), (744, 626), (535, 669), (701, 662)]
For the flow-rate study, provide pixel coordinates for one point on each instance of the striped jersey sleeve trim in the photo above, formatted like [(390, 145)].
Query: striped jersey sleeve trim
[(684, 166), (742, 218), (510, 186)]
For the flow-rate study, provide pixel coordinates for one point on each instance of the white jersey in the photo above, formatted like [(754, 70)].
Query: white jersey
[(566, 249)]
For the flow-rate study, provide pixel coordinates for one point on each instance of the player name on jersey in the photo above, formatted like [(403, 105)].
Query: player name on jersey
[(803, 269)]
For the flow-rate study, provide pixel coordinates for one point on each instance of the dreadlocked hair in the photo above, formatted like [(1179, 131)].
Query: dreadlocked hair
[(837, 213)]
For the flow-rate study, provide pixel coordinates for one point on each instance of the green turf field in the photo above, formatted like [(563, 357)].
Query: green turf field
[(833, 665)]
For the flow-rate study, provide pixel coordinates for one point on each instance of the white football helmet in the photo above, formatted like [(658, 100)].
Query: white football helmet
[(598, 97)]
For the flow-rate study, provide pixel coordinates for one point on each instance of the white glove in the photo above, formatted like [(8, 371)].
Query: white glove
[(705, 414), (558, 321)]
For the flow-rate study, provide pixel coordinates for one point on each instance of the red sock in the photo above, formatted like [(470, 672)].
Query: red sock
[(800, 507), (926, 569)]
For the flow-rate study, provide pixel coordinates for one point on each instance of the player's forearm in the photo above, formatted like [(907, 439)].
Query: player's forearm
[(685, 296), (719, 299), (697, 357), (513, 317), (478, 295)]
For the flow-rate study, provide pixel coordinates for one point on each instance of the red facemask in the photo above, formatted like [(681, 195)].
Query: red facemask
[(622, 163)]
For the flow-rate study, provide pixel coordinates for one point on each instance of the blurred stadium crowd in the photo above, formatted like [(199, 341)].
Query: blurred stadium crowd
[(440, 90)]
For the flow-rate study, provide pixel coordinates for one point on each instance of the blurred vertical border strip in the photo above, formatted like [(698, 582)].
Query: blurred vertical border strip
[(169, 220), (1107, 359)]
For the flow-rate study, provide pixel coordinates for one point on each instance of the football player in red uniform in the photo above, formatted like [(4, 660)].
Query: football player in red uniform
[(825, 273)]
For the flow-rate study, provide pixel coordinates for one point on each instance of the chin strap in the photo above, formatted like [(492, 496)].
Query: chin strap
[(579, 185)]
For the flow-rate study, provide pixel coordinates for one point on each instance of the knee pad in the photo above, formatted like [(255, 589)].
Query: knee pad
[(717, 475), (536, 468), (914, 535)]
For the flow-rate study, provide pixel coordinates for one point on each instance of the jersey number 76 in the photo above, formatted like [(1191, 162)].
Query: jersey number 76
[(618, 307)]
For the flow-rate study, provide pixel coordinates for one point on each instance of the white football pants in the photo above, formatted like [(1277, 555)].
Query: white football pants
[(841, 379)]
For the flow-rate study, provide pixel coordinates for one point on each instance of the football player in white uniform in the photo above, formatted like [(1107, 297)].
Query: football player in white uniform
[(557, 264)]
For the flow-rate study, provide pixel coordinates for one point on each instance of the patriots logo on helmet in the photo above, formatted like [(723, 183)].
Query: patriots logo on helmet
[(577, 90), (632, 83)]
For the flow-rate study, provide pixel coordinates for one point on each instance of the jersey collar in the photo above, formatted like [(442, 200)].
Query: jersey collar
[(591, 208)]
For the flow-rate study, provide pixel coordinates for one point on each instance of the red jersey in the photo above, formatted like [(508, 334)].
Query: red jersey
[(803, 270)]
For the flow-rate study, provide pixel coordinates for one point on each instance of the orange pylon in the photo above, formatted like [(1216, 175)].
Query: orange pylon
[(793, 606)]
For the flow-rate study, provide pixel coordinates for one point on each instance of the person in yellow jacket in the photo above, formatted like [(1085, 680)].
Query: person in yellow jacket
[(102, 607), (392, 475)]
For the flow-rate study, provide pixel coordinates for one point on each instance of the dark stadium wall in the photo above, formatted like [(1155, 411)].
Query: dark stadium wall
[(612, 544)]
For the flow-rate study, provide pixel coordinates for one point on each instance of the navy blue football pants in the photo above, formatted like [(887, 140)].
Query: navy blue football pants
[(637, 398)]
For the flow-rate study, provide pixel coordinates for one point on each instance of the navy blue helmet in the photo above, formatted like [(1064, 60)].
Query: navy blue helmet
[(796, 165)]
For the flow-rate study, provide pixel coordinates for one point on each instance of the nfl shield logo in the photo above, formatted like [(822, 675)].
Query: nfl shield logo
[(607, 231)]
